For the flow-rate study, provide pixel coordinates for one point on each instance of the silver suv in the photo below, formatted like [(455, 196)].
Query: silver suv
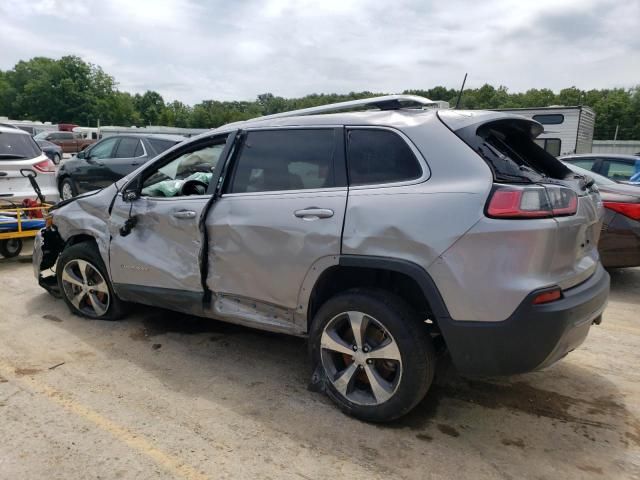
[(389, 236)]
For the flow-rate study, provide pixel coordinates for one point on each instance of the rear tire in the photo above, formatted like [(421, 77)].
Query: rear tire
[(11, 247), (68, 189), (56, 159), (387, 371), (85, 285)]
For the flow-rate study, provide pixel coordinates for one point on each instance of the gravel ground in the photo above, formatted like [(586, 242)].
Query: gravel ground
[(161, 395)]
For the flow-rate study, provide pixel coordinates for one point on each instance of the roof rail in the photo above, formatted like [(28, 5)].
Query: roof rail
[(385, 102)]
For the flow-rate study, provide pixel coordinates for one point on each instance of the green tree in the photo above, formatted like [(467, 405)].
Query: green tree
[(150, 106)]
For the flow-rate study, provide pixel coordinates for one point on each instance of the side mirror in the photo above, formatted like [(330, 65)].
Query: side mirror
[(132, 191), (130, 196)]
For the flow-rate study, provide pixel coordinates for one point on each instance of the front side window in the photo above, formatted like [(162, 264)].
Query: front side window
[(188, 174), (377, 156), (103, 149), (277, 160), (586, 163)]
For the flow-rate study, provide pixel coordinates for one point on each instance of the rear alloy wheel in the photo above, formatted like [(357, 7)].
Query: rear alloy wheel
[(361, 358), (11, 247), (374, 353), (67, 189), (84, 283)]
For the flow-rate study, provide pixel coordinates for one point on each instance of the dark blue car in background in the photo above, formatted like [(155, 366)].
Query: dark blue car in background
[(51, 150)]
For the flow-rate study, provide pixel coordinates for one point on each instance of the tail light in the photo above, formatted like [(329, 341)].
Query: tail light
[(531, 202), (45, 166), (631, 210)]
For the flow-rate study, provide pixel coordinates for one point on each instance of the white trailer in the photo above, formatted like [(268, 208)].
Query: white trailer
[(566, 129)]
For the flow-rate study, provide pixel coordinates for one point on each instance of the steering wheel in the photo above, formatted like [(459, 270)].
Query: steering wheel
[(193, 187)]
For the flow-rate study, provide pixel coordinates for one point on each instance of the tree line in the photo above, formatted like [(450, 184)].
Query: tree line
[(71, 90)]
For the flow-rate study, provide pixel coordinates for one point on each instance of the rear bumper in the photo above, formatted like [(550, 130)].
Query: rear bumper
[(533, 337)]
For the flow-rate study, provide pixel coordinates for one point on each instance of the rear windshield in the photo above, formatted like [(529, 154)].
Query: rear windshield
[(161, 145), (510, 150), (16, 146)]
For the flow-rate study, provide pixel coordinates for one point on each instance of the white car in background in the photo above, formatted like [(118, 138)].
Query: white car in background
[(19, 151)]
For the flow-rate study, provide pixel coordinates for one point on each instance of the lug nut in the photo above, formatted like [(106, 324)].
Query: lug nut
[(365, 349), (369, 361), (355, 348)]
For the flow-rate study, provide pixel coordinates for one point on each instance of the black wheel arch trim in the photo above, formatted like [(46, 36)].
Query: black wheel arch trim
[(406, 267)]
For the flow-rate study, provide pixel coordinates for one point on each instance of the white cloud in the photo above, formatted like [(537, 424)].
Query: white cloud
[(193, 50)]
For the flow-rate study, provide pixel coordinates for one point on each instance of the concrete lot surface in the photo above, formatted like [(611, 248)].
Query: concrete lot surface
[(161, 395)]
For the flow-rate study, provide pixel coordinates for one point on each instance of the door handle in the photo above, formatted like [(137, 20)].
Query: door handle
[(135, 164), (185, 214), (312, 213)]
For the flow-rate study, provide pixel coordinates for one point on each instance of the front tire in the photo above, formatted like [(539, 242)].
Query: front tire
[(375, 355), (68, 189), (85, 285)]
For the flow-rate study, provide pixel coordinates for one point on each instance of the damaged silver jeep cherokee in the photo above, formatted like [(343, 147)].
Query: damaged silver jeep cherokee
[(388, 236)]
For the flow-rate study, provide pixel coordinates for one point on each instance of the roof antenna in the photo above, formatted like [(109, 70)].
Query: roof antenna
[(460, 93)]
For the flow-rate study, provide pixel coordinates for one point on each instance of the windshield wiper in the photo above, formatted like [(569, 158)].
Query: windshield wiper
[(11, 155)]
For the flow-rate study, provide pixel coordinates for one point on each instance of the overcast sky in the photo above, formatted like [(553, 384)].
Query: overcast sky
[(193, 50)]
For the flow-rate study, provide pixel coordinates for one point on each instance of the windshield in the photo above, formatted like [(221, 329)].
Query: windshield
[(16, 146), (599, 179)]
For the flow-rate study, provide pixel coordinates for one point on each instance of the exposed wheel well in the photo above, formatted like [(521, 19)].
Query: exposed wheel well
[(340, 278), (61, 179), (80, 238)]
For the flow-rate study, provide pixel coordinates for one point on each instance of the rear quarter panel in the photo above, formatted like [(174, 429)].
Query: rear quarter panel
[(420, 222)]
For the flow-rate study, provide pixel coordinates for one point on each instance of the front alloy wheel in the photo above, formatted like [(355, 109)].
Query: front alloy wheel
[(86, 288), (66, 190)]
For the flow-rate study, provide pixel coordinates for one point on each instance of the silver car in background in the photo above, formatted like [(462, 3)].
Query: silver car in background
[(19, 151), (389, 237)]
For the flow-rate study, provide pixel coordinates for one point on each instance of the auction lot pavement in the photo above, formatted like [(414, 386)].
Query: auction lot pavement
[(161, 395)]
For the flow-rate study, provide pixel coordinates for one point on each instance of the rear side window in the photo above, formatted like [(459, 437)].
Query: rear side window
[(65, 136), (275, 160), (127, 148), (549, 118), (14, 146), (377, 156), (160, 145)]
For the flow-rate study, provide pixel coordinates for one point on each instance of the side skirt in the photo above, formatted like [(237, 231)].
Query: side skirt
[(236, 310)]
